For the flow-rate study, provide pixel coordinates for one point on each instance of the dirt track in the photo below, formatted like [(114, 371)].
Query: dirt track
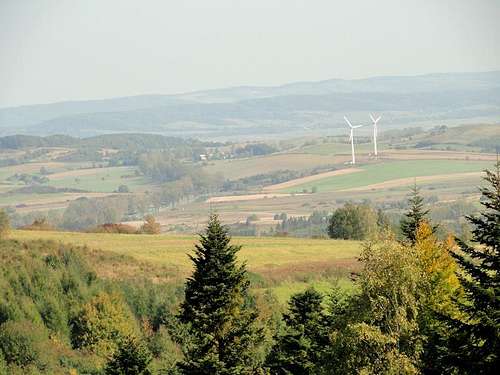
[(247, 197), (303, 180), (409, 181)]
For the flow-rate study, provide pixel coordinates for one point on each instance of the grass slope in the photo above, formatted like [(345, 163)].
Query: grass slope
[(258, 252), (287, 265)]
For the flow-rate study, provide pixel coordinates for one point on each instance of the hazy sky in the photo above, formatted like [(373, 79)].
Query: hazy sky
[(53, 50)]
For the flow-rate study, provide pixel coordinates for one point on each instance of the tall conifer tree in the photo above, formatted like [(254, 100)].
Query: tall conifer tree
[(300, 348), (479, 350), (220, 324), (415, 216)]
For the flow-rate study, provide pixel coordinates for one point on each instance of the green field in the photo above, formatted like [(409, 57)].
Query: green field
[(391, 170), (238, 168), (287, 265), (99, 180), (76, 176)]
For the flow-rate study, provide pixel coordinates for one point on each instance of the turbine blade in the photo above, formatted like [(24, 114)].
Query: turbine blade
[(378, 118), (348, 122), (373, 119)]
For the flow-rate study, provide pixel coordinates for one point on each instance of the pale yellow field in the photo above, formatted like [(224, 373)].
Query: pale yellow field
[(248, 197), (266, 255)]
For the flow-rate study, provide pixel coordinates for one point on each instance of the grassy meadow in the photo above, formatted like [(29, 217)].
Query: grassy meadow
[(97, 179), (286, 265)]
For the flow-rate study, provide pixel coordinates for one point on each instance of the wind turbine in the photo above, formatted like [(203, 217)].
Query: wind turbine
[(375, 133), (351, 138)]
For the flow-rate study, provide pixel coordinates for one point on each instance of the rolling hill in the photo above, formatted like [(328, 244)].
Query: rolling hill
[(254, 112)]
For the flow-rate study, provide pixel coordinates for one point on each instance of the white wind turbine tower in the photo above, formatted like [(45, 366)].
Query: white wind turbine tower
[(351, 138), (375, 133)]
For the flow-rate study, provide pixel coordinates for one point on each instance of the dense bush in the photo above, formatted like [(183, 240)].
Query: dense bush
[(102, 323), (25, 344), (353, 222), (39, 224), (150, 226), (131, 358)]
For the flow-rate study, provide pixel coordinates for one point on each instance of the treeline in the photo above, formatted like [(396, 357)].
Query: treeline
[(315, 225), (254, 149), (84, 213), (350, 222), (117, 141)]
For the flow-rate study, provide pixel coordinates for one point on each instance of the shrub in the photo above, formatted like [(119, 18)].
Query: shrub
[(123, 189), (102, 323), (23, 344), (150, 226), (113, 228), (39, 224), (131, 358), (353, 222)]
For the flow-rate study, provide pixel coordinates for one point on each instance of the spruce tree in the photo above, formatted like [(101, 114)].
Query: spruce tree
[(479, 349), (299, 350), (131, 358), (222, 336), (415, 216)]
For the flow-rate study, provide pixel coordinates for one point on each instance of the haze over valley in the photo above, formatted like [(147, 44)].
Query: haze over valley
[(303, 108)]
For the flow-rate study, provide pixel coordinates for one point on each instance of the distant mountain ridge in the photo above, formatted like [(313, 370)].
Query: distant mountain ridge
[(270, 111)]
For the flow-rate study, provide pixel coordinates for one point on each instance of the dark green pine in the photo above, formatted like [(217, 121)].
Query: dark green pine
[(479, 336), (131, 358), (299, 349), (415, 216), (222, 333)]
